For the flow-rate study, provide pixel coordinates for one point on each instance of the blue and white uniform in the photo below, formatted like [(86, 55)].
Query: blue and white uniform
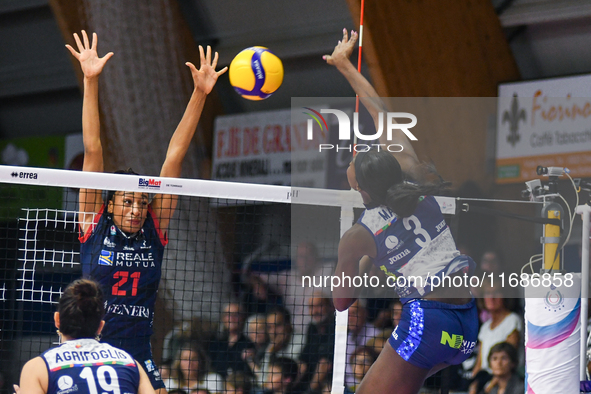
[(128, 269), (85, 366), (414, 250)]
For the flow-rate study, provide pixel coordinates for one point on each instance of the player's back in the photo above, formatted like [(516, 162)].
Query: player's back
[(86, 366)]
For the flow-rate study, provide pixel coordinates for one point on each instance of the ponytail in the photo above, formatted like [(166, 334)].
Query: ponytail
[(403, 198)]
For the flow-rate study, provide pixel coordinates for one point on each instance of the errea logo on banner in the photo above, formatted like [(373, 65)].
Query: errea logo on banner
[(345, 129)]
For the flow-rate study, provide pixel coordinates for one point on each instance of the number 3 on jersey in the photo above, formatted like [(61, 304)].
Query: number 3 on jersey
[(418, 230), (123, 276)]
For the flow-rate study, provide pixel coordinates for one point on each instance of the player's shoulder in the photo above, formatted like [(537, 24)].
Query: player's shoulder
[(34, 367), (357, 236)]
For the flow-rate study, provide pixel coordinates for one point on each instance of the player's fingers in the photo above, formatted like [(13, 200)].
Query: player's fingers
[(94, 41), (107, 56), (201, 54), (345, 38), (208, 55), (78, 42), (214, 62), (72, 51), (191, 66), (354, 37), (85, 38), (223, 70)]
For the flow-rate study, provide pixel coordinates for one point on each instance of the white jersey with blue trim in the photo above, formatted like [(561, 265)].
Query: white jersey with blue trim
[(86, 366), (417, 247)]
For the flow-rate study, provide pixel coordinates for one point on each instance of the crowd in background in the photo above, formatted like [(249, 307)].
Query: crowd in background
[(256, 347)]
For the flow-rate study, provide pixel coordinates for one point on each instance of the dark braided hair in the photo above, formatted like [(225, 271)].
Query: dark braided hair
[(379, 174)]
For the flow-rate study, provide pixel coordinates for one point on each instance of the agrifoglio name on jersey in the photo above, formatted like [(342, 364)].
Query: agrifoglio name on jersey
[(69, 356)]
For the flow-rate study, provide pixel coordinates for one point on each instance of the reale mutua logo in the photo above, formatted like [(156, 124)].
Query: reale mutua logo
[(391, 120)]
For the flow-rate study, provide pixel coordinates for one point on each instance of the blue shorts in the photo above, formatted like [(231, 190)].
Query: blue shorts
[(431, 333), (141, 351)]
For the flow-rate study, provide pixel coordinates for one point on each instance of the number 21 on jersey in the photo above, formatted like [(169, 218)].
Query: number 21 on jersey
[(123, 277)]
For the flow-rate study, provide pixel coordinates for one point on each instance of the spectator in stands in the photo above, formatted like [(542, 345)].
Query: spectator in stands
[(361, 360), (292, 287), (491, 262), (379, 312), (191, 371), (226, 351), (394, 314), (256, 332), (283, 373), (282, 341), (258, 297), (503, 326), (238, 383), (318, 350), (503, 361), (360, 331)]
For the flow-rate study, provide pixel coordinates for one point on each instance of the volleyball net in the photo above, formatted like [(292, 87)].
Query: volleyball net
[(236, 259)]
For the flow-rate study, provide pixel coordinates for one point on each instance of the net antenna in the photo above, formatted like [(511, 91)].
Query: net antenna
[(359, 67)]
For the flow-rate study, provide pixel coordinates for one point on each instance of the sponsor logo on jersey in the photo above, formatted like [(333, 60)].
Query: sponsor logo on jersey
[(106, 258), (467, 347), (391, 242), (442, 225), (137, 260), (394, 333), (398, 256), (113, 230), (129, 310), (144, 244), (65, 382), (453, 341), (108, 243), (149, 365), (128, 248)]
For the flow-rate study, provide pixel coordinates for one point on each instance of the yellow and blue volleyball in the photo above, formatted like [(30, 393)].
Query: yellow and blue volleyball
[(256, 73)]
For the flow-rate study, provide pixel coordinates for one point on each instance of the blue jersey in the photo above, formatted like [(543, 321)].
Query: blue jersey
[(128, 269), (85, 366), (416, 248)]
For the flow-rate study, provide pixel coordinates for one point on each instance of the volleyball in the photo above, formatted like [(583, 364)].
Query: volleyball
[(256, 73)]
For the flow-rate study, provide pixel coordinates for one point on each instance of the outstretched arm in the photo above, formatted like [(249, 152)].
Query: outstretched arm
[(355, 247), (92, 66), (204, 80), (369, 97)]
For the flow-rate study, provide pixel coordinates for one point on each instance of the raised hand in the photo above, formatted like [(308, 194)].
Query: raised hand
[(91, 64), (343, 50), (206, 77)]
